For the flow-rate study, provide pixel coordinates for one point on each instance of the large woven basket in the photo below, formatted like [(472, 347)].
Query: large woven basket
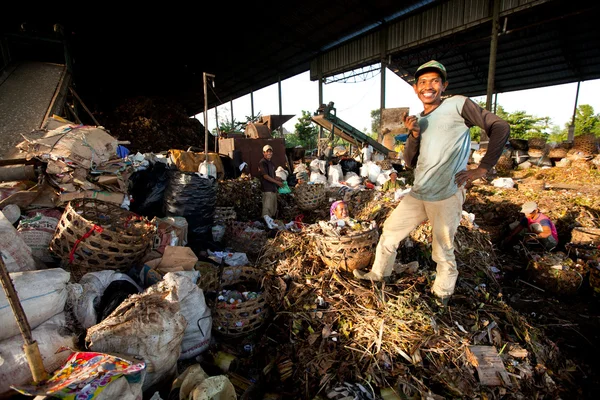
[(557, 152), (347, 252), (94, 235), (310, 196), (224, 214), (239, 319), (245, 237), (505, 162), (536, 143), (586, 144), (582, 235)]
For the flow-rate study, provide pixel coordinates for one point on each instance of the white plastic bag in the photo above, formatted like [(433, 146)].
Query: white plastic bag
[(281, 173), (208, 169), (373, 172), (335, 174), (507, 183), (42, 293), (316, 177)]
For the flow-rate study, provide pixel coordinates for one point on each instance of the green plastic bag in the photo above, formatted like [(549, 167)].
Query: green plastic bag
[(285, 189)]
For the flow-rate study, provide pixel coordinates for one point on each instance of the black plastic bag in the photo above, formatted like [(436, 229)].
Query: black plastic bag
[(194, 197), (350, 165), (147, 187)]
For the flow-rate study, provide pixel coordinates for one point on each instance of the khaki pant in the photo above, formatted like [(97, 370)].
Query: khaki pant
[(269, 204), (444, 216)]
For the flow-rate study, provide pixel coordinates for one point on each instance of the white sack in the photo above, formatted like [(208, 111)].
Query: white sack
[(149, 325), (316, 177), (50, 336), (335, 174), (14, 251), (374, 171), (196, 337), (42, 294)]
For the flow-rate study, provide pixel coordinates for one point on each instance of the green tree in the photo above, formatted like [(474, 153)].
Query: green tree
[(375, 124), (305, 132), (557, 135), (586, 121), (522, 125)]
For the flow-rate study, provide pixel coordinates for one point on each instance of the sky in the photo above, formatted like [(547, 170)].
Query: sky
[(355, 100)]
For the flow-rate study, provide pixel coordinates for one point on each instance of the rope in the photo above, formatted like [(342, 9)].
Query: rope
[(95, 228)]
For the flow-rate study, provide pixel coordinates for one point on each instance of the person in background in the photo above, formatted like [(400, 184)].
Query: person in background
[(438, 148), (269, 182), (535, 227), (393, 183), (366, 152), (338, 210)]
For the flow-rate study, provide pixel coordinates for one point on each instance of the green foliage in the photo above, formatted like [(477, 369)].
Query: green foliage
[(557, 135), (522, 125), (305, 133), (375, 122), (586, 121)]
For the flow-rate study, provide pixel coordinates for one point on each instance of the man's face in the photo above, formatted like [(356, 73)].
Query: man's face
[(268, 154), (429, 87)]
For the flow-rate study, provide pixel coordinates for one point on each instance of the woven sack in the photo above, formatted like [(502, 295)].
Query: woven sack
[(310, 196), (347, 252), (93, 235)]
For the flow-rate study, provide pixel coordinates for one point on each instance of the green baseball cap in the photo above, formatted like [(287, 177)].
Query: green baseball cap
[(429, 65)]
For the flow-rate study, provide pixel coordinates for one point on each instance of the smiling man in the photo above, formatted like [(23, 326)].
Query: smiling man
[(438, 148)]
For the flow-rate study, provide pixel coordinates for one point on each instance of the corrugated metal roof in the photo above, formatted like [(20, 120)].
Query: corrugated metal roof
[(247, 46)]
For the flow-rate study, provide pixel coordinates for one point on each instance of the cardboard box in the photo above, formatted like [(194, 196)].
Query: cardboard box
[(111, 197)]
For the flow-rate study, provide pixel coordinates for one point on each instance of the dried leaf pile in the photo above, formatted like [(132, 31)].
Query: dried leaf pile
[(332, 334), (155, 124), (393, 335)]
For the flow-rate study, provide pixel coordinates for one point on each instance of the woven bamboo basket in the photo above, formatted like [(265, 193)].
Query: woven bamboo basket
[(557, 152), (586, 144), (94, 235), (535, 153), (505, 162), (576, 154), (310, 196), (563, 163), (224, 214), (581, 235), (239, 319), (209, 276), (245, 237), (536, 143), (347, 252)]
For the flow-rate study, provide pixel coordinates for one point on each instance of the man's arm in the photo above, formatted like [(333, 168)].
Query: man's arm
[(496, 128), (411, 149)]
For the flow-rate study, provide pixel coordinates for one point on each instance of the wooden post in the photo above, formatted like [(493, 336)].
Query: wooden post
[(30, 347)]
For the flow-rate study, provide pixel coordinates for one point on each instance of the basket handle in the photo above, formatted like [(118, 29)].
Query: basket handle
[(95, 228)]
